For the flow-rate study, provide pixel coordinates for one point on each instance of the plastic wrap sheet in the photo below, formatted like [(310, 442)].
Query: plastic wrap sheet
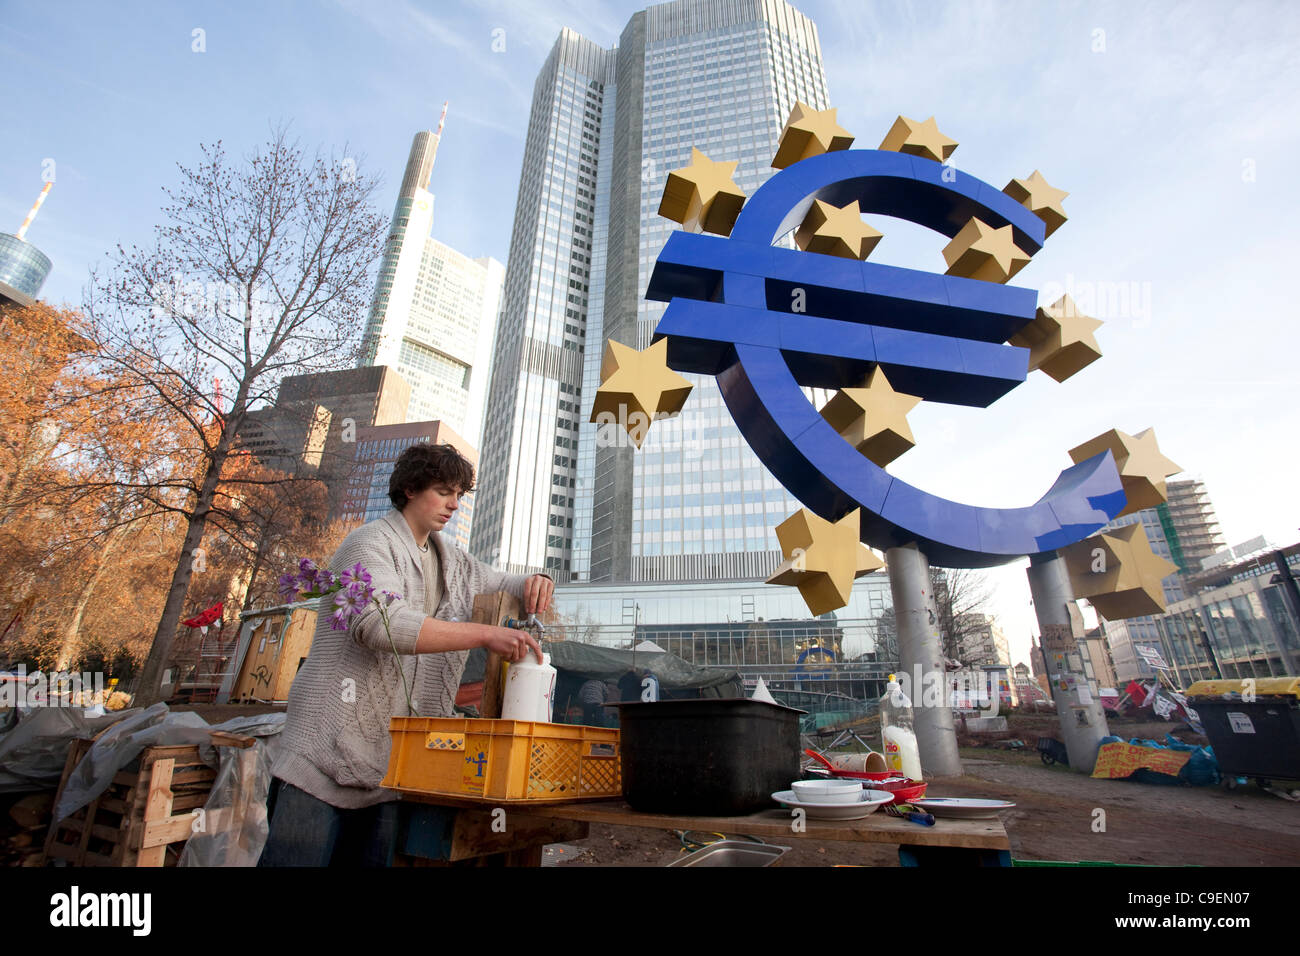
[(233, 827), (122, 743), (33, 753)]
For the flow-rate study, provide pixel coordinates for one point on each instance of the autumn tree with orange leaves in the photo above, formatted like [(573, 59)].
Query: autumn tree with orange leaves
[(65, 535)]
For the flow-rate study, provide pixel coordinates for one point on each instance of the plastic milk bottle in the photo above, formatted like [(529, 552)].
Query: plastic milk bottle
[(530, 690)]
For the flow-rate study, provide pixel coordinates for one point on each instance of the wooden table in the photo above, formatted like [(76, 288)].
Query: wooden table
[(527, 828)]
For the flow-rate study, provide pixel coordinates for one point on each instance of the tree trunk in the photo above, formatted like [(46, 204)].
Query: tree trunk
[(73, 630), (259, 557), (148, 687)]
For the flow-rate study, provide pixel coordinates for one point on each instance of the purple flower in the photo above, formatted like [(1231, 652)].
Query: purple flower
[(288, 587), (339, 620), (353, 574), (325, 581), (349, 601), (390, 597), (307, 573)]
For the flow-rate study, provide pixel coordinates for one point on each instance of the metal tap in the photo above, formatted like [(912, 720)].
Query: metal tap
[(532, 624)]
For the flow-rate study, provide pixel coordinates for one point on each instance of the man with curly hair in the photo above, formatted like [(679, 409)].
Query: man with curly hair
[(327, 806)]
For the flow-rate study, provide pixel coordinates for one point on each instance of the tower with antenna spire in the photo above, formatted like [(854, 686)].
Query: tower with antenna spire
[(23, 267), (433, 315)]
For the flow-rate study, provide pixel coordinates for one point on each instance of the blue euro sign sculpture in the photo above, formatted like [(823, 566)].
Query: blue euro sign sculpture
[(938, 337)]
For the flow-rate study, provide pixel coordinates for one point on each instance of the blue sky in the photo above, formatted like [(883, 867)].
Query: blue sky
[(1173, 126)]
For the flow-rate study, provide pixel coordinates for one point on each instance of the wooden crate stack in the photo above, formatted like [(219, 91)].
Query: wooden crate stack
[(144, 816)]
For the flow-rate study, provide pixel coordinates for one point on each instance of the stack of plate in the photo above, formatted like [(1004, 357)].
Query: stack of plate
[(864, 803)]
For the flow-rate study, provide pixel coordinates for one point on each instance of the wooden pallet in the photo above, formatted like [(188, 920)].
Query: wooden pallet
[(144, 816)]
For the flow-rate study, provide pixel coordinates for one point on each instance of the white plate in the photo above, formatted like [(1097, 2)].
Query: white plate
[(969, 808), (869, 802)]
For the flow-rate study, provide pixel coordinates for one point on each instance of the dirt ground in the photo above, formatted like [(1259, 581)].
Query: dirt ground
[(1054, 817)]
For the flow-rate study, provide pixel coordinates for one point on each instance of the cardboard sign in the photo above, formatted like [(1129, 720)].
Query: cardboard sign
[(1121, 760), (1151, 656), (1058, 638)]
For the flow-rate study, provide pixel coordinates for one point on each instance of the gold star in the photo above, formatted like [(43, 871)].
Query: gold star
[(822, 558), (918, 139), (1041, 198), (809, 132), (1118, 572), (1060, 339), (702, 196), (873, 418), (637, 387), (979, 251), (836, 232), (1142, 468)]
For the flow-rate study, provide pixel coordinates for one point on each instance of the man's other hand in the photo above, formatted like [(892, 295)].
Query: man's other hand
[(538, 590)]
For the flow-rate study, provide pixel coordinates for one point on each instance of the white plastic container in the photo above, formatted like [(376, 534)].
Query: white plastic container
[(530, 690), (897, 736)]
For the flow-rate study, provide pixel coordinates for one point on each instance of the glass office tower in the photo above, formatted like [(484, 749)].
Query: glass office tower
[(607, 126)]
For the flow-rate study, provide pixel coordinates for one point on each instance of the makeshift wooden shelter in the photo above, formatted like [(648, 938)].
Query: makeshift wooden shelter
[(273, 644)]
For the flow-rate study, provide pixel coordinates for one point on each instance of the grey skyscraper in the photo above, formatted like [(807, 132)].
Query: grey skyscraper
[(607, 126)]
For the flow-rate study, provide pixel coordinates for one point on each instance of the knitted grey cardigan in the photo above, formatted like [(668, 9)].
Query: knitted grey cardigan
[(335, 741)]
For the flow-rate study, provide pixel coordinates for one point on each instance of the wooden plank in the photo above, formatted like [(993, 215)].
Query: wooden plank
[(194, 777), (493, 609), (179, 754), (876, 828), (171, 830), (523, 805), (76, 750), (158, 807), (88, 827), (529, 857), (222, 738), (104, 832), (291, 650), (473, 835), (33, 811), (189, 801)]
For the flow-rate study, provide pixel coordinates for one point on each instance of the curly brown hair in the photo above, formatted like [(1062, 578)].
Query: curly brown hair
[(423, 466)]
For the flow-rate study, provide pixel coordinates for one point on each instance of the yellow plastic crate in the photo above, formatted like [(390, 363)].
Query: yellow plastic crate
[(503, 761)]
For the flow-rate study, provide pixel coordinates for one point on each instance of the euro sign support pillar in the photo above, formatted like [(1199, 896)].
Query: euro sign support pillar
[(1083, 722), (920, 661)]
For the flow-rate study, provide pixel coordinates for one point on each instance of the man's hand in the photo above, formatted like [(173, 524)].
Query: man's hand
[(537, 594), (512, 645)]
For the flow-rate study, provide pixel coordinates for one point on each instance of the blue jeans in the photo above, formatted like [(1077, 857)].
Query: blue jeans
[(310, 832)]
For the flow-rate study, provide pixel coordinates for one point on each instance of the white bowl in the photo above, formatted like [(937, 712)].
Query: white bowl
[(827, 791)]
